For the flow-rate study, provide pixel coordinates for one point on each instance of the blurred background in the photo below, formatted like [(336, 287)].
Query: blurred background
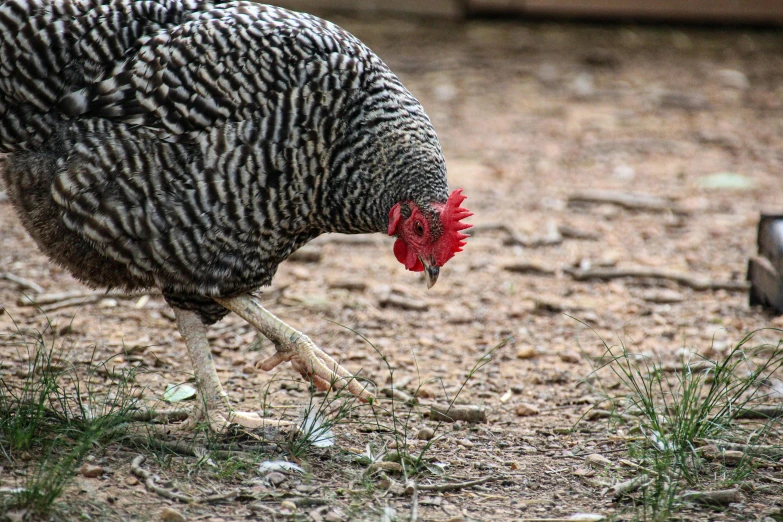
[(733, 11)]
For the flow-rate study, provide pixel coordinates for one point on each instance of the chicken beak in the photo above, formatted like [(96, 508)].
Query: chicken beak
[(431, 270)]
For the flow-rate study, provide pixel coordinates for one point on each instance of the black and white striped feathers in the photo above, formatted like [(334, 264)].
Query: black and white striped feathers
[(193, 146)]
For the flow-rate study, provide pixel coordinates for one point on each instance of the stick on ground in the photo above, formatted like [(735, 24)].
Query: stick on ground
[(643, 272)]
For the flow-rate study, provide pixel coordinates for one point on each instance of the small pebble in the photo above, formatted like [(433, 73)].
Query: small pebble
[(353, 285), (526, 352), (390, 467), (425, 392), (733, 79), (288, 506), (458, 412), (90, 471), (465, 443), (570, 357), (131, 480), (168, 514), (597, 461), (527, 410), (425, 434), (506, 396), (397, 395), (275, 478)]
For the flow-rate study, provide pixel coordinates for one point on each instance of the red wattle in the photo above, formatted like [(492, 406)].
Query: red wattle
[(406, 257)]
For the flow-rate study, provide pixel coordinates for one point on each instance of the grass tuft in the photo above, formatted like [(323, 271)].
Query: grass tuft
[(41, 419), (674, 412)]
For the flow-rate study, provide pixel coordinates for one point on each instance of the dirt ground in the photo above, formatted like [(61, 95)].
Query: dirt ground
[(529, 114)]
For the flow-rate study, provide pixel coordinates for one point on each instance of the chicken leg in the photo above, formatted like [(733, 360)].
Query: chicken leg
[(214, 405), (292, 345)]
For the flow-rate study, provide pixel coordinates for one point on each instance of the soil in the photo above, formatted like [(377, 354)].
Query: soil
[(529, 114)]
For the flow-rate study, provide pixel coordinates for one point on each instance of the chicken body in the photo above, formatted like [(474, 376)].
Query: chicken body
[(193, 146)]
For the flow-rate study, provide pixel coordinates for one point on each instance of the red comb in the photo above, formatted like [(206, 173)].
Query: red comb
[(451, 216)]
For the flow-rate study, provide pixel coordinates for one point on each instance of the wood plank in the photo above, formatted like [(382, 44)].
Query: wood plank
[(439, 8), (739, 11)]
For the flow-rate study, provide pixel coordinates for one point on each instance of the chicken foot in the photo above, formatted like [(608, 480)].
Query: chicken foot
[(214, 405), (294, 346)]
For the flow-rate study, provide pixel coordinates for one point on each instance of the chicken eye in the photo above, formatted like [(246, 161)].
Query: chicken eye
[(418, 228)]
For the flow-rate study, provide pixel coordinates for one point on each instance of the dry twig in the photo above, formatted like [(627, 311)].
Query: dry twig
[(456, 485), (629, 200), (756, 450), (21, 282), (56, 301), (150, 482), (629, 486), (515, 237), (642, 272), (760, 412), (415, 503), (722, 497)]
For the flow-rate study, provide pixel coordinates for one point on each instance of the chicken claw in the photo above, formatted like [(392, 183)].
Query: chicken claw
[(294, 346)]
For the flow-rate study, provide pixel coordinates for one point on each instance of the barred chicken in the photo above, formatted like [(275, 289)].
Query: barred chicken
[(193, 146)]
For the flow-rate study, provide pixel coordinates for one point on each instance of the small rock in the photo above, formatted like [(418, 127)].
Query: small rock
[(570, 357), (248, 369), (130, 480), (276, 478), (168, 514), (466, 443), (390, 467), (90, 471), (529, 267), (733, 457), (425, 392), (425, 434), (403, 303), (287, 505), (527, 352), (597, 461), (733, 79), (458, 412), (527, 410), (354, 285), (397, 395), (506, 396)]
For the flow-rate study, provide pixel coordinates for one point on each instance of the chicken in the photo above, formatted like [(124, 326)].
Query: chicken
[(192, 147)]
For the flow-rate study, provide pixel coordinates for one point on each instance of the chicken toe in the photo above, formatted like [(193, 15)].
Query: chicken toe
[(213, 406), (294, 346)]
